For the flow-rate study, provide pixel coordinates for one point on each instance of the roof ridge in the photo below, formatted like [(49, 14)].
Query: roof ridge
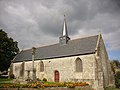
[(84, 37), (47, 45), (25, 49)]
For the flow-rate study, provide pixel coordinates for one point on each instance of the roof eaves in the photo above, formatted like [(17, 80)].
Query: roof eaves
[(55, 57), (16, 56)]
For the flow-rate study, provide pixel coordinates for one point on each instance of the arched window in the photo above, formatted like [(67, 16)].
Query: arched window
[(41, 66), (79, 65)]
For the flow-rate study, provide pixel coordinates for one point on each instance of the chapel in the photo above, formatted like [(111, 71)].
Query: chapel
[(79, 60)]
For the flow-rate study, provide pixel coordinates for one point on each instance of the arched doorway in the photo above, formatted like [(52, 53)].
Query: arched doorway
[(56, 76)]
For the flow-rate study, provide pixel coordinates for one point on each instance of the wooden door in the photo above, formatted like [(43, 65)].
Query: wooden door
[(56, 76)]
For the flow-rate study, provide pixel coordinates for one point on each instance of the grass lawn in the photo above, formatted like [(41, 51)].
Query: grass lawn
[(5, 80)]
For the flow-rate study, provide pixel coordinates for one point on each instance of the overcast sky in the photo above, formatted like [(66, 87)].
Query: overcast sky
[(39, 22)]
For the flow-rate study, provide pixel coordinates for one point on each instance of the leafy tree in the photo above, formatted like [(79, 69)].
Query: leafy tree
[(118, 74), (117, 79), (116, 62), (112, 67), (8, 49)]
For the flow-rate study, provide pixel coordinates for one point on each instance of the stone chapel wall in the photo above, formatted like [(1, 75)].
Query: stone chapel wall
[(105, 64), (65, 66)]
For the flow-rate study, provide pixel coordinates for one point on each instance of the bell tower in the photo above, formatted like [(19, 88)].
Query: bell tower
[(64, 38)]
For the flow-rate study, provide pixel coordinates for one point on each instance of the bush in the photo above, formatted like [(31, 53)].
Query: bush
[(110, 88), (44, 79), (70, 85), (117, 82), (38, 79), (117, 79), (12, 76), (29, 80)]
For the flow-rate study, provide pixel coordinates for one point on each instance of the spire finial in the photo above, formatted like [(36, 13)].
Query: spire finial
[(64, 16), (99, 33)]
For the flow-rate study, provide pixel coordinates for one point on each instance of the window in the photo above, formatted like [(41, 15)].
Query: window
[(41, 66), (79, 65)]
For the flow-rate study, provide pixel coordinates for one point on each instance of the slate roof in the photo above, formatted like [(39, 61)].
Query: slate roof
[(79, 46)]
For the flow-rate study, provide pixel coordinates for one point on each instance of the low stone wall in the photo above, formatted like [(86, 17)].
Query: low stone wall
[(51, 88), (84, 88), (65, 88)]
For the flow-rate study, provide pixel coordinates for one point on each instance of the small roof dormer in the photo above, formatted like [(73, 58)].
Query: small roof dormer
[(64, 38)]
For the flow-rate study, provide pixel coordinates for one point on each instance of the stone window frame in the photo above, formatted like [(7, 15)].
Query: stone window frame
[(78, 65), (41, 66)]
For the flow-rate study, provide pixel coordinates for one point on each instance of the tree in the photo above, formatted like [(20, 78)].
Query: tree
[(8, 49), (112, 67), (115, 64), (117, 79)]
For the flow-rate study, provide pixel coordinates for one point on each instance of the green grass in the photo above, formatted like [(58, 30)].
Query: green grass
[(110, 88), (5, 80)]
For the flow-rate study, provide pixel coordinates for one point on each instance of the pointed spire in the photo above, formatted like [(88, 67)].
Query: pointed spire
[(64, 36), (64, 31)]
